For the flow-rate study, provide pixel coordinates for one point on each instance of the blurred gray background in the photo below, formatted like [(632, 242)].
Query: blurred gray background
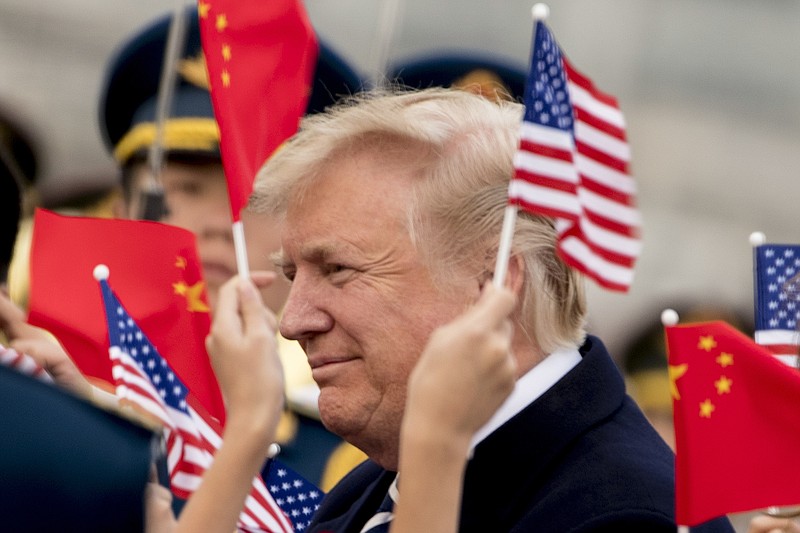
[(710, 90)]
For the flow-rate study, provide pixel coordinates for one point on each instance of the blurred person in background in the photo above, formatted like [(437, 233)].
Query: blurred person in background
[(190, 191)]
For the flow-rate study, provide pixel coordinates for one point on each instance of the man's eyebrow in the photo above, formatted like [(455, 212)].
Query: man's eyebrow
[(278, 259), (313, 253)]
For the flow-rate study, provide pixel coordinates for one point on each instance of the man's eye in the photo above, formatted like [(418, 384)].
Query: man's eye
[(338, 270), (289, 273)]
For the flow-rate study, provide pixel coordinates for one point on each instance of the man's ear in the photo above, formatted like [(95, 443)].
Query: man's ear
[(515, 277)]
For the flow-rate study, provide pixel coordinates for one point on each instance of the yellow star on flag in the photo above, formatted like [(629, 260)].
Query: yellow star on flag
[(723, 385), (675, 373), (226, 78), (725, 360), (226, 52), (181, 262), (202, 9), (706, 408), (707, 343), (193, 295), (180, 288), (222, 22)]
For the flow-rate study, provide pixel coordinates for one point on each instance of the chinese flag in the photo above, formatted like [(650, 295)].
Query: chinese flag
[(261, 58), (153, 266), (737, 410)]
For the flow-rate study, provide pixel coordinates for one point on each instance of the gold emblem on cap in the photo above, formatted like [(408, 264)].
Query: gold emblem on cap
[(194, 70)]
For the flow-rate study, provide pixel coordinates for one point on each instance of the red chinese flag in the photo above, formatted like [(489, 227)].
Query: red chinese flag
[(736, 419), (261, 58), (153, 266)]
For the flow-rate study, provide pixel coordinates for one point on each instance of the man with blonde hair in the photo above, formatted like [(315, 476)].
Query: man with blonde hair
[(392, 207)]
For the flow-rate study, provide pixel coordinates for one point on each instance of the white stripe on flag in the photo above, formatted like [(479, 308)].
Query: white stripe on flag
[(605, 175), (273, 523), (552, 137), (609, 240), (544, 196), (607, 208), (788, 360), (184, 423), (186, 481), (546, 166), (174, 451), (134, 379), (197, 456), (602, 141), (144, 402), (208, 433), (594, 263), (582, 98), (777, 336)]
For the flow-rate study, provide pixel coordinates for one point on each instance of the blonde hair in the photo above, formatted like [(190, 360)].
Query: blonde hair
[(460, 146)]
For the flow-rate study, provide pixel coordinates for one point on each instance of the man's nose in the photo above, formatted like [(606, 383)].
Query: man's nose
[(304, 314)]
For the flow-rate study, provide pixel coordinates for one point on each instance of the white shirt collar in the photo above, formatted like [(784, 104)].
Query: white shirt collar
[(528, 388)]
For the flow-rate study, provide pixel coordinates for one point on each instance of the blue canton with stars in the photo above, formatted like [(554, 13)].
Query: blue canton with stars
[(547, 99), (297, 497), (777, 287), (125, 333)]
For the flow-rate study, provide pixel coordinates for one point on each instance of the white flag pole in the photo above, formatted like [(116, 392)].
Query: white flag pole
[(669, 317), (504, 249), (539, 12), (240, 248)]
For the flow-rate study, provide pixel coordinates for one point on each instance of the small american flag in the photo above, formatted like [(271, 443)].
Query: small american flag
[(146, 380), (572, 164), (777, 298)]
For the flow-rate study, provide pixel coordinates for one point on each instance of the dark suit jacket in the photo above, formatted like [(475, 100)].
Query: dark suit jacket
[(66, 465), (582, 457)]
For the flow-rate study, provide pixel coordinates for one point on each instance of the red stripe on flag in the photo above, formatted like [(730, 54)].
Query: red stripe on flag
[(610, 225), (587, 84), (601, 157), (598, 250), (612, 194), (583, 115), (546, 181), (537, 209), (546, 151)]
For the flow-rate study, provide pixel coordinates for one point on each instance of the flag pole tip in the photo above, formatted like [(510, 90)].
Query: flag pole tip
[(100, 272), (669, 317), (757, 238), (540, 11), (273, 450)]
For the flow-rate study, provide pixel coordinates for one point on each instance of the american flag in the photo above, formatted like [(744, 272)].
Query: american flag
[(147, 381), (298, 498), (777, 298), (23, 363), (572, 164)]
